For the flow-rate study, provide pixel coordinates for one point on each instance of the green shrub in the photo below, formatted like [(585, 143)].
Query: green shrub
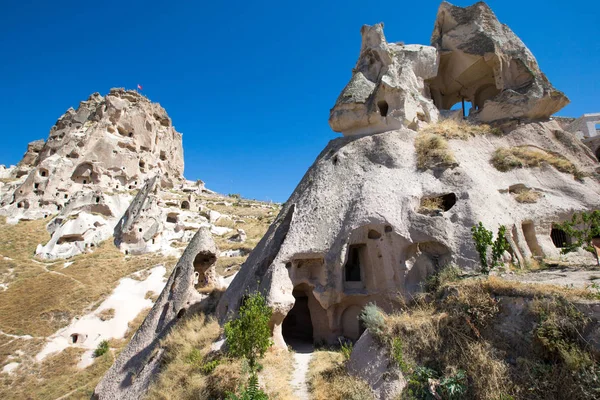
[(447, 274), (346, 348), (194, 357), (209, 367), (398, 355), (101, 349), (423, 380), (582, 228), (484, 239), (373, 318), (250, 392), (249, 336)]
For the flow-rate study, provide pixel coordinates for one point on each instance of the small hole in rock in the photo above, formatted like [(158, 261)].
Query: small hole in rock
[(382, 105)]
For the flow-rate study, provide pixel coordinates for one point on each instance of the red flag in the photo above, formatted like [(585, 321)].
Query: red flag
[(139, 86)]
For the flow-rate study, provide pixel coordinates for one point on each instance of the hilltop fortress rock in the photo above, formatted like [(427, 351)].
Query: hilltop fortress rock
[(360, 227), (86, 173)]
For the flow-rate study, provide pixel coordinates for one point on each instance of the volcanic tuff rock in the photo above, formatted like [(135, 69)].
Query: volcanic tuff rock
[(138, 364), (356, 229), (387, 88), (87, 170), (484, 62)]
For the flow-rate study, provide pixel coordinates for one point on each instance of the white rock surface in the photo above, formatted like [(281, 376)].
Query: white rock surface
[(128, 300), (387, 89)]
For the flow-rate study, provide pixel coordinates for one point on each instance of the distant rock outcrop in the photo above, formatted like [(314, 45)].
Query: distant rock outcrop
[(94, 160)]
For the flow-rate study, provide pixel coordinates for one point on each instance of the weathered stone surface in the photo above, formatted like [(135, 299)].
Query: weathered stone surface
[(371, 362), (111, 143), (484, 62), (137, 365), (332, 223), (387, 88)]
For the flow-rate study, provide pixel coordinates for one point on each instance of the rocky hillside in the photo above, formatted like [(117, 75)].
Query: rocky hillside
[(93, 222)]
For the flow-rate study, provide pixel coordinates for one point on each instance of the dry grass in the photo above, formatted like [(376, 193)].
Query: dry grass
[(227, 266), (528, 196), (508, 158), (432, 203), (185, 349), (328, 379), (455, 328), (58, 374), (107, 314), (183, 374), (463, 130), (503, 287), (278, 367), (43, 297), (433, 151)]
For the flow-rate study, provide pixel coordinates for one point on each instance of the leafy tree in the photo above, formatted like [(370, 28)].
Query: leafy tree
[(249, 336), (582, 228), (484, 239)]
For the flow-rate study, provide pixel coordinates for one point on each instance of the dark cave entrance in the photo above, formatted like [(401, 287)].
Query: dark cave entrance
[(297, 325)]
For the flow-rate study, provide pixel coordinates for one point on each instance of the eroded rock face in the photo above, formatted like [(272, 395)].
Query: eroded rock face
[(484, 62), (112, 143), (88, 170), (138, 364), (387, 88), (340, 243)]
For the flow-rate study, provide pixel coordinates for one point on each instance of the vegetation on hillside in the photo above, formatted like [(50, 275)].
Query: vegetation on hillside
[(508, 158), (433, 152), (456, 342), (463, 130)]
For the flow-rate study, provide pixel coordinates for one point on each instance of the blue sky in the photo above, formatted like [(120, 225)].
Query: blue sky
[(249, 84)]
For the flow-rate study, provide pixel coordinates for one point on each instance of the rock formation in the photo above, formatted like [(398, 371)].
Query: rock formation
[(355, 229), (482, 61), (136, 366), (387, 89), (94, 160)]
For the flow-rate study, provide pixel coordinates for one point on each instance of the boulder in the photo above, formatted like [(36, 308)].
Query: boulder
[(483, 62), (387, 89), (138, 364), (371, 362)]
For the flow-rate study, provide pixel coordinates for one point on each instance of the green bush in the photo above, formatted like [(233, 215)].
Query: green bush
[(583, 228), (373, 318), (250, 392), (101, 349), (209, 367), (398, 355), (447, 274), (484, 239), (423, 380), (249, 336), (194, 357), (346, 348)]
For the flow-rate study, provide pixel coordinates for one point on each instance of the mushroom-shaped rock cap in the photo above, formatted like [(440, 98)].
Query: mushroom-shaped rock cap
[(484, 62), (387, 90)]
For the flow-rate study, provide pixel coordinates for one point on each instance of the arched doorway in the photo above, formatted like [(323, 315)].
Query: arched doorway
[(297, 325)]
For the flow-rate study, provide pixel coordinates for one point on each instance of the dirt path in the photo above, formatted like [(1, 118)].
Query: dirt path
[(302, 356)]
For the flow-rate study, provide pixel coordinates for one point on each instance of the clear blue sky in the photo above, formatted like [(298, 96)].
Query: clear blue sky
[(249, 84)]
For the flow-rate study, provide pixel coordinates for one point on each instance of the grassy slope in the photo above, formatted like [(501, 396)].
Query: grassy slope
[(43, 297)]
